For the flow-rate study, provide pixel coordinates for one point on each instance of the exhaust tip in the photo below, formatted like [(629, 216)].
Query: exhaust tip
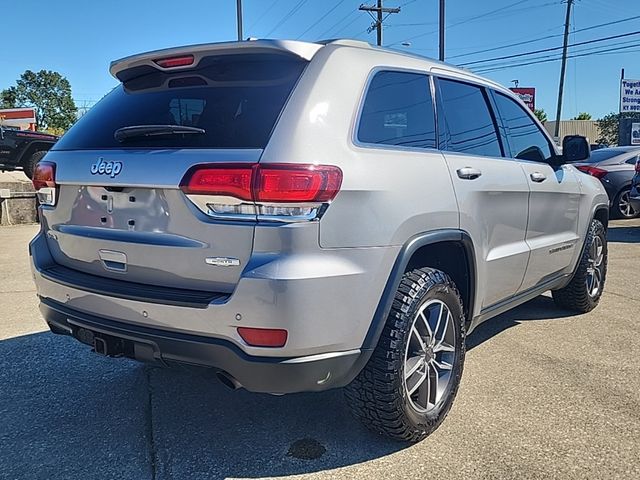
[(228, 381)]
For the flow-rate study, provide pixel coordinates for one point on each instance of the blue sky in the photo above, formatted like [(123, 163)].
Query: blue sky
[(80, 38)]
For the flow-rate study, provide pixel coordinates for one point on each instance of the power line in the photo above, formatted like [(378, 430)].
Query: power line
[(321, 18), (462, 22), (291, 13), (592, 27), (551, 49), (335, 25), (269, 8), (557, 58), (542, 57)]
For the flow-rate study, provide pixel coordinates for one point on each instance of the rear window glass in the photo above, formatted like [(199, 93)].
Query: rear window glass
[(235, 99), (398, 111), (598, 156)]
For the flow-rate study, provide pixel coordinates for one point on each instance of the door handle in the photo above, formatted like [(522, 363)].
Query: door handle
[(538, 177), (468, 173)]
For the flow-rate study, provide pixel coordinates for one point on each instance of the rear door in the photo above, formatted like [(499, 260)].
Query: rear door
[(491, 190), (552, 231), (121, 212)]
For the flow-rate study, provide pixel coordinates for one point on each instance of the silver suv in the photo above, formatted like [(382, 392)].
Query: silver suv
[(305, 216)]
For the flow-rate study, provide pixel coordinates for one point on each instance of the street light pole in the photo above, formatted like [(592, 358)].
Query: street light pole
[(239, 16), (441, 56), (563, 68)]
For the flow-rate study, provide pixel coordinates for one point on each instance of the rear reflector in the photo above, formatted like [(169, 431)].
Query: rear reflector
[(593, 171), (44, 175), (269, 183), (172, 62), (263, 337)]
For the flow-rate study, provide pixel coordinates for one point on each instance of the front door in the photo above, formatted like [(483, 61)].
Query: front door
[(552, 230)]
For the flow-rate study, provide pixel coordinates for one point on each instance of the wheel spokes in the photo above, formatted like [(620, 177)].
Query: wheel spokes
[(430, 355)]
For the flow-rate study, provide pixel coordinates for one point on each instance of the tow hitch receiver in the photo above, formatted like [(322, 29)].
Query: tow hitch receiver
[(102, 344)]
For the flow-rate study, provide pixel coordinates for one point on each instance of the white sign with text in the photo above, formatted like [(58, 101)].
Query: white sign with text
[(630, 96)]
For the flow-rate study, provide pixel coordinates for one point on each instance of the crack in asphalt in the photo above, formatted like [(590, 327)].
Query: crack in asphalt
[(625, 296), (151, 444)]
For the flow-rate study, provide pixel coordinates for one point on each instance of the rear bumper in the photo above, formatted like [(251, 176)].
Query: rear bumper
[(257, 374)]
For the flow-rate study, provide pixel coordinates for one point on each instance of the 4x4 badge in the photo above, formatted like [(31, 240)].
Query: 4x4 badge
[(106, 168)]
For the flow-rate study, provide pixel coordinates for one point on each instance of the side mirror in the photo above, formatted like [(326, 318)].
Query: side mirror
[(575, 149)]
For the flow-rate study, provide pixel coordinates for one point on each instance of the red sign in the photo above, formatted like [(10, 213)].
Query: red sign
[(527, 95)]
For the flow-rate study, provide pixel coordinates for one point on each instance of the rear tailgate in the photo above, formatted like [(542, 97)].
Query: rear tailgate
[(120, 212), (139, 226)]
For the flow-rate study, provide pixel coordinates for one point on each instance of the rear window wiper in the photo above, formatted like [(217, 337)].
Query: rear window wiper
[(123, 133)]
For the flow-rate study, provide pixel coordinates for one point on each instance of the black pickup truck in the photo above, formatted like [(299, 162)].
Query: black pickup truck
[(22, 149)]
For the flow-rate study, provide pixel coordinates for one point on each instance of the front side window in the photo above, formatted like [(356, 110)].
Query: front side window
[(468, 124), (398, 110), (526, 141)]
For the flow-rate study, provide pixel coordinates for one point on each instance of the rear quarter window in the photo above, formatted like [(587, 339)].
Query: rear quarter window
[(236, 99)]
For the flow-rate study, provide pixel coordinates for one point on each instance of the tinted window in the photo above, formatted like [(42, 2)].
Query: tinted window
[(468, 124), (526, 140), (398, 111), (236, 99)]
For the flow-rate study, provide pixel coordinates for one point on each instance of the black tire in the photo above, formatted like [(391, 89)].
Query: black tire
[(621, 206), (578, 295), (30, 165), (378, 396)]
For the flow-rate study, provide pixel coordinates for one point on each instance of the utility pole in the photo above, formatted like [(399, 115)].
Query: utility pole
[(563, 67), (378, 19), (441, 57), (239, 16)]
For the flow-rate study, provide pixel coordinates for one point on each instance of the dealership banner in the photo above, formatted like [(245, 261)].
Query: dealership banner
[(527, 95), (630, 96)]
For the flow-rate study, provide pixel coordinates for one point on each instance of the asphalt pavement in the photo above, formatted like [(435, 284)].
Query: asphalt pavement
[(545, 394)]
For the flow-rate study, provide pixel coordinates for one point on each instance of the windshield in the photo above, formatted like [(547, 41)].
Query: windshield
[(235, 99)]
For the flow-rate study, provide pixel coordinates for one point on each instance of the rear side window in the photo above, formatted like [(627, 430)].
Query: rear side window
[(526, 140), (468, 124), (398, 110), (236, 99)]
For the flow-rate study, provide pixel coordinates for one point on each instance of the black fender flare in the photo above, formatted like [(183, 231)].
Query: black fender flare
[(402, 260)]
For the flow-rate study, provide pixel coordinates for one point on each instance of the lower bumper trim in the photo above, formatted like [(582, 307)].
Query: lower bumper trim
[(257, 374)]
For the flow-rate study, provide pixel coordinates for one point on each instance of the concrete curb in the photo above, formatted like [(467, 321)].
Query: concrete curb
[(17, 203)]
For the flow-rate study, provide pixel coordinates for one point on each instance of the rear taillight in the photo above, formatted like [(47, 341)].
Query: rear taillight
[(44, 182), (173, 62), (279, 192), (297, 183), (593, 171), (638, 166)]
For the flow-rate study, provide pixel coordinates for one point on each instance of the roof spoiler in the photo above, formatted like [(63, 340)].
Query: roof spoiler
[(129, 67)]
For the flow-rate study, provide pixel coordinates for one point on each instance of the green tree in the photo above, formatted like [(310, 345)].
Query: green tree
[(541, 114), (609, 126), (46, 91), (582, 116), (8, 98)]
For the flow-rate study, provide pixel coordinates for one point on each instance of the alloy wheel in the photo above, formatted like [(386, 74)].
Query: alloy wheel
[(429, 355), (625, 207), (595, 267)]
